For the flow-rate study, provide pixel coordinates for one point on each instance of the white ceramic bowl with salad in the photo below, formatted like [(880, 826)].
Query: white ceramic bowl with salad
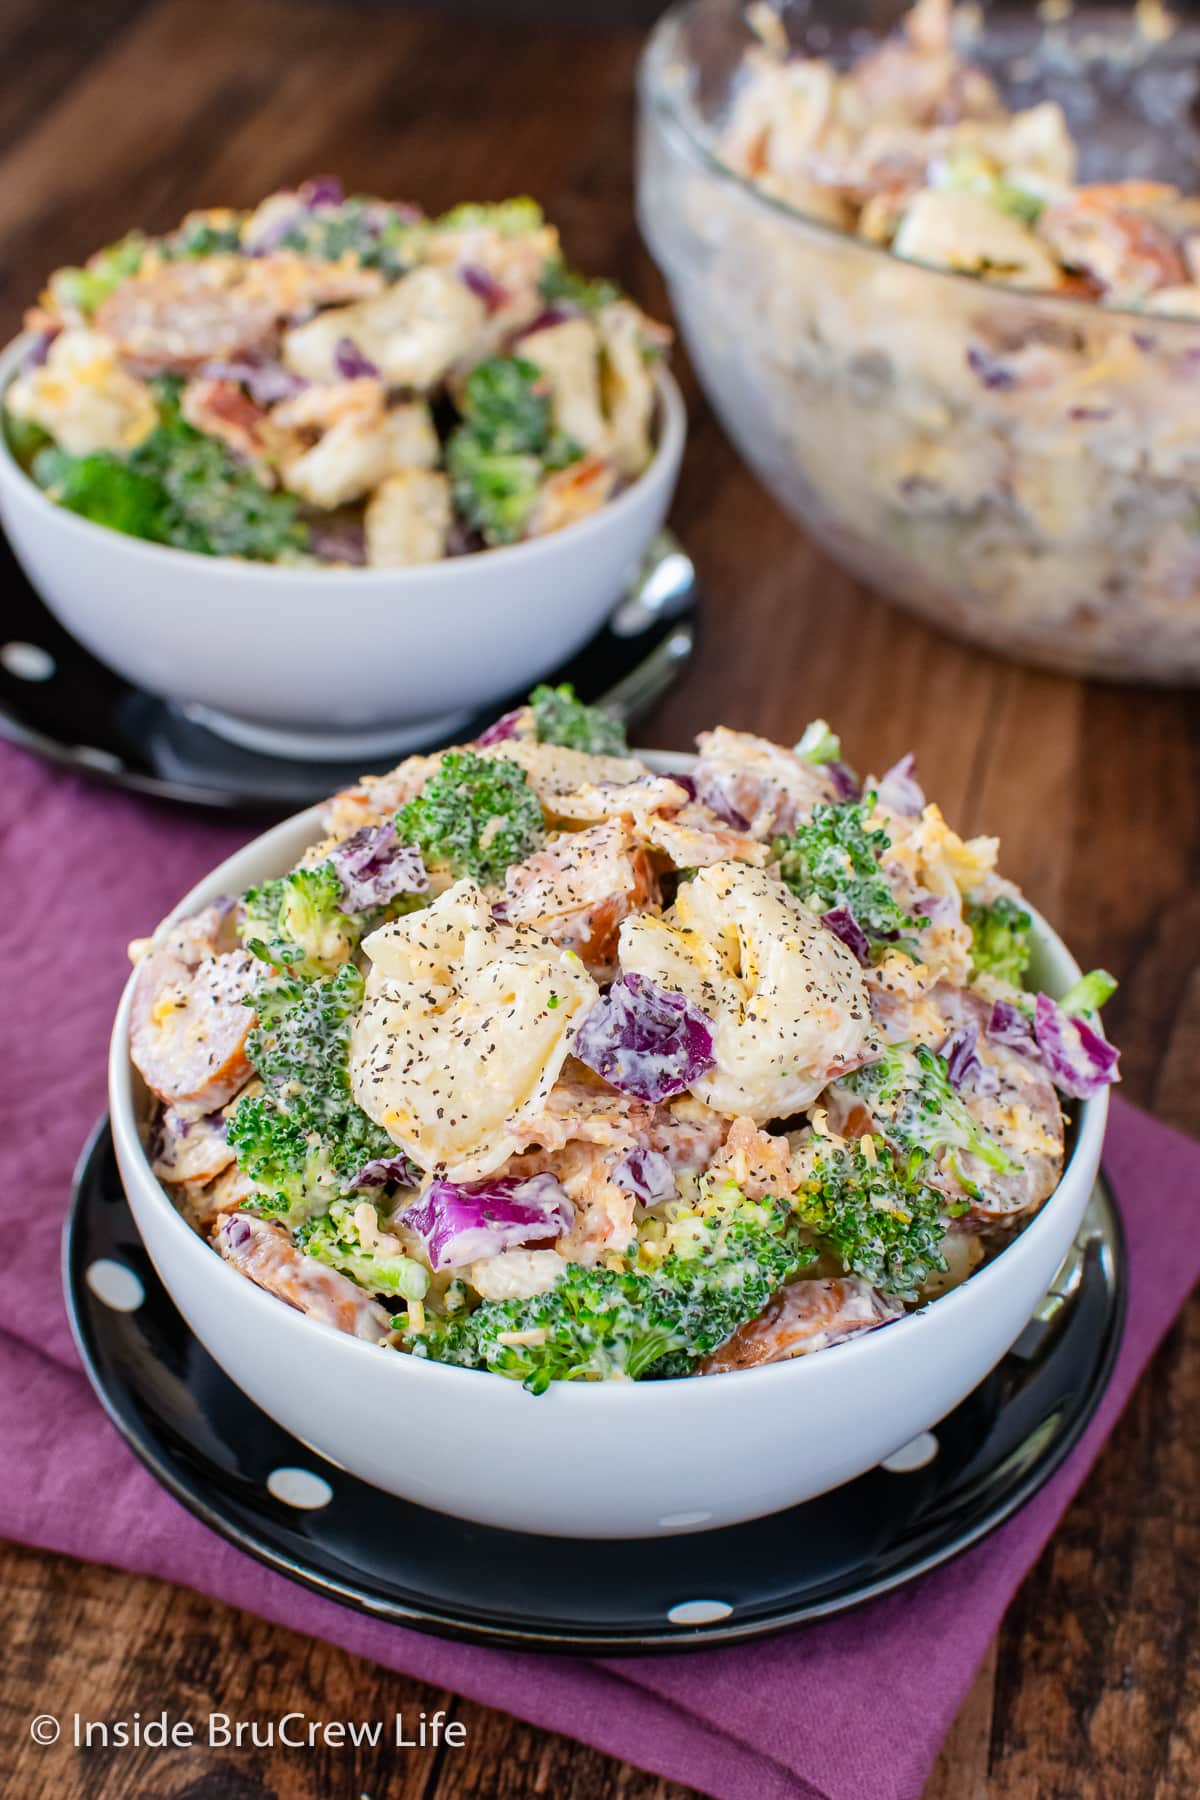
[(329, 471), (850, 1342)]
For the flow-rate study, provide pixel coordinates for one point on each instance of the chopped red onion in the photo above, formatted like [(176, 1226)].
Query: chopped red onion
[(846, 783), (710, 788), (1079, 1060), (843, 924), (645, 1041), (351, 363), (484, 286), (646, 1173), (964, 1064), (322, 190), (461, 1223), (899, 790), (504, 727), (264, 382), (374, 866), (345, 543), (381, 1170), (1009, 1026)]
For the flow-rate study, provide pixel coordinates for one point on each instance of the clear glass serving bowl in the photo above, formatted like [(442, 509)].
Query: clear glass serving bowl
[(1019, 469)]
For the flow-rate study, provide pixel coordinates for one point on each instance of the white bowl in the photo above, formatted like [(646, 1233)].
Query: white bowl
[(596, 1460), (349, 662)]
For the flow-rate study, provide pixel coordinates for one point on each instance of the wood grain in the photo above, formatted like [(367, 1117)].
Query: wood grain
[(135, 111)]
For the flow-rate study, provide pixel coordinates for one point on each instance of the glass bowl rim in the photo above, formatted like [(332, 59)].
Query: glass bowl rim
[(668, 102)]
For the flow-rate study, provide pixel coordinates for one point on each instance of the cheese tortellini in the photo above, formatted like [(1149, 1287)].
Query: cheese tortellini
[(788, 1002), (464, 1029)]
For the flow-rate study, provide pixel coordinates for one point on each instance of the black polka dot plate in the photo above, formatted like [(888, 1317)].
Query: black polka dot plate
[(61, 702), (265, 1491)]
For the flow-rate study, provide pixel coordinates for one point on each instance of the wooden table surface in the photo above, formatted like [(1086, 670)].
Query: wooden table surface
[(131, 111)]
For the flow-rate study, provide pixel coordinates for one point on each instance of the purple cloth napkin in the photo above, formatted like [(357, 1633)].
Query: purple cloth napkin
[(854, 1709)]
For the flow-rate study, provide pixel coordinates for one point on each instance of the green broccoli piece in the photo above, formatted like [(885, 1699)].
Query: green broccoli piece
[(334, 1238), (82, 290), (176, 487), (818, 744), (560, 284), (384, 240), (511, 218), (25, 438), (911, 1101), (834, 862), (297, 922), (561, 718), (303, 1139), (877, 1217), (499, 455), (475, 816), (1001, 939), (1089, 993), (105, 489), (197, 237), (652, 1321)]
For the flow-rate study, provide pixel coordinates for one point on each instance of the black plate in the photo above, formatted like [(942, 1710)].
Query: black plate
[(214, 1450), (59, 701)]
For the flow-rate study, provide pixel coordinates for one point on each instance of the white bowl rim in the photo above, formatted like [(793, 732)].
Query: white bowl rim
[(1090, 1126), (449, 571)]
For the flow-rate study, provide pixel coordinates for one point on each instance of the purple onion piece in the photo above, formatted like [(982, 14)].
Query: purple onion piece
[(710, 789), (339, 544), (646, 1173), (1079, 1061), (39, 349), (556, 314), (843, 924), (460, 1223), (350, 362), (899, 789), (989, 370), (846, 783), (233, 1232), (374, 866), (932, 907), (266, 383), (484, 286), (322, 190), (1009, 1026), (381, 1170), (645, 1041), (505, 726), (270, 236), (964, 1064)]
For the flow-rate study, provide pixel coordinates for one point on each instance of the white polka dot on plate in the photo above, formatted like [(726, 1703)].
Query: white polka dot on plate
[(914, 1455), (28, 662), (698, 1612), (300, 1488), (115, 1284), (684, 1518)]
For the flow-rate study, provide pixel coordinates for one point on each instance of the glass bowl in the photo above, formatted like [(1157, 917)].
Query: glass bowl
[(1020, 469)]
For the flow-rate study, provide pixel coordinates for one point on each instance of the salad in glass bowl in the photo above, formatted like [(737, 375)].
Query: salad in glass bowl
[(942, 288), (549, 1063), (333, 380)]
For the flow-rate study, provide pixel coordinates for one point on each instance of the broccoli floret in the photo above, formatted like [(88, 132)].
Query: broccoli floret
[(475, 816), (876, 1216), (334, 1238), (652, 1321), (176, 487), (511, 218), (559, 284), (304, 1139), (818, 744), (384, 239), (1089, 993), (561, 718), (199, 237), (498, 456), (1001, 939), (82, 290), (834, 862), (104, 488), (297, 921), (910, 1099)]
